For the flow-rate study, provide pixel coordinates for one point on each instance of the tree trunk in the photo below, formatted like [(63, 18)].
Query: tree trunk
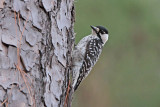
[(36, 41)]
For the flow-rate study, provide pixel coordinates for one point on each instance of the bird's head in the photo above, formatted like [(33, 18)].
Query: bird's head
[(101, 32)]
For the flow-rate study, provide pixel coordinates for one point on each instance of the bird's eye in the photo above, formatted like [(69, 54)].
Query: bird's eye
[(102, 32)]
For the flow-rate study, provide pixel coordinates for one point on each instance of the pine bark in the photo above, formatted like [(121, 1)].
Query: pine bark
[(36, 42)]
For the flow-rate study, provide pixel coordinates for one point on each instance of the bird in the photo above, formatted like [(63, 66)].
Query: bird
[(86, 53)]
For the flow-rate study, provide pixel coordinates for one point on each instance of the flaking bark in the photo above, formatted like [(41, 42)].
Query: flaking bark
[(36, 36)]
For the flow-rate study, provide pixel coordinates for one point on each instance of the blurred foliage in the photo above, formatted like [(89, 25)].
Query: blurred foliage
[(128, 71)]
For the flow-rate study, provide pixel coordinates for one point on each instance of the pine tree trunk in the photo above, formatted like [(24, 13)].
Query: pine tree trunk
[(36, 41)]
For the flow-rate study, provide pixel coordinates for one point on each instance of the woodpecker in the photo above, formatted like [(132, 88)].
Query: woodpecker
[(86, 54)]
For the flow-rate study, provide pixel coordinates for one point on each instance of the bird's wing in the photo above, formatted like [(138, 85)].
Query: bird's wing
[(93, 50)]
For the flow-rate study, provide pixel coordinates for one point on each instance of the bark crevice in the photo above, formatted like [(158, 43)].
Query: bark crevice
[(45, 51)]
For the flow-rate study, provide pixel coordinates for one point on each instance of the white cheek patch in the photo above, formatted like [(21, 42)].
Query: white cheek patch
[(104, 38), (97, 29)]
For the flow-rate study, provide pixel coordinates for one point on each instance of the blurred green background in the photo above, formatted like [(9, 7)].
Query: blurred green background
[(128, 71)]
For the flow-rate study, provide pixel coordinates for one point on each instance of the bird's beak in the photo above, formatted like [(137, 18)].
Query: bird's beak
[(95, 29)]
